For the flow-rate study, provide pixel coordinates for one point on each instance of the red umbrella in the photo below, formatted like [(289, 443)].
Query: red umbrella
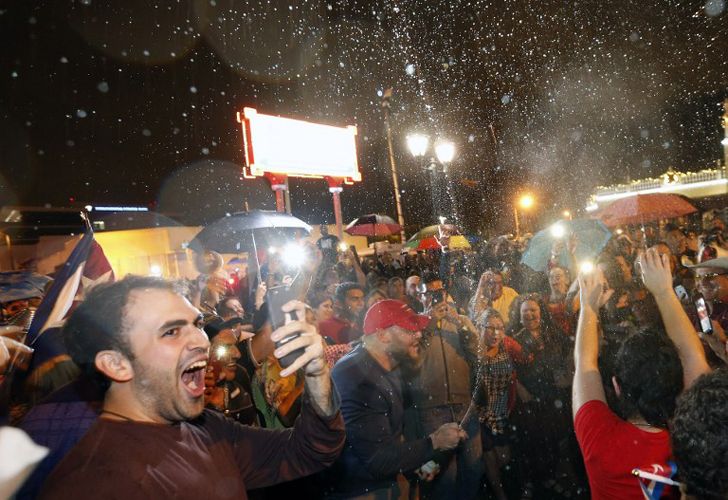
[(643, 208), (373, 225)]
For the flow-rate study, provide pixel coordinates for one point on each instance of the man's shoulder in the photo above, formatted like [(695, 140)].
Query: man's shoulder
[(596, 422), (357, 360)]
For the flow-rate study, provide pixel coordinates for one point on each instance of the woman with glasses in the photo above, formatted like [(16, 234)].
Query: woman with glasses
[(496, 395)]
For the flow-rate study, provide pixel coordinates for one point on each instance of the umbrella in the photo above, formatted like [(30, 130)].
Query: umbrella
[(234, 233), (424, 239), (643, 208), (592, 236), (373, 225)]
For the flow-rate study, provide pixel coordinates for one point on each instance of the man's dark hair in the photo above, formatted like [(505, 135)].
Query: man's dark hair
[(670, 227), (700, 436), (223, 309), (650, 377), (430, 276), (99, 322), (344, 288)]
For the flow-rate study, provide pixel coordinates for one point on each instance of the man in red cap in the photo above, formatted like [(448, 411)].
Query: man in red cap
[(370, 386)]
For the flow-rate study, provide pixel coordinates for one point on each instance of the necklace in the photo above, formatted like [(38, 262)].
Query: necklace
[(117, 415)]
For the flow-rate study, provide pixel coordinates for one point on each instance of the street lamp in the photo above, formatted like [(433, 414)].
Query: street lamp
[(386, 104), (525, 201), (444, 153), (418, 144)]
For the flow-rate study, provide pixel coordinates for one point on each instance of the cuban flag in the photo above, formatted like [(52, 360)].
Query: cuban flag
[(86, 267), (656, 481)]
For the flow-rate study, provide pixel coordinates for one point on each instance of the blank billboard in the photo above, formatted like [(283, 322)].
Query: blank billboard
[(297, 148)]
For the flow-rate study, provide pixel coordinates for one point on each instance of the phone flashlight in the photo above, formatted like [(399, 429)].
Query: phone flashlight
[(558, 231), (293, 255), (586, 267), (221, 351)]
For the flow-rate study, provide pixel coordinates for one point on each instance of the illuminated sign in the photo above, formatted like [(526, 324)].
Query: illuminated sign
[(667, 188), (297, 148)]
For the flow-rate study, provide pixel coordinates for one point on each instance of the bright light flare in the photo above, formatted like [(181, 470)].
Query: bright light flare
[(417, 144), (293, 255), (155, 270), (526, 201), (445, 151), (724, 141), (343, 247), (558, 231), (221, 351), (586, 267)]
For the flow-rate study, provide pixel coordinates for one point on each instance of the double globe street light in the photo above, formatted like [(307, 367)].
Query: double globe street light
[(444, 153), (418, 145)]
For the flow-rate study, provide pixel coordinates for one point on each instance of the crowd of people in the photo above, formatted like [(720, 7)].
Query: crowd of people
[(437, 374)]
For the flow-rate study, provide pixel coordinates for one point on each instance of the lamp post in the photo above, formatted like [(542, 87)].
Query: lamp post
[(525, 201), (724, 142), (395, 179), (444, 153)]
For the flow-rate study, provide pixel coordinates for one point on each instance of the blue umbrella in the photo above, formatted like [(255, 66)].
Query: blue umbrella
[(592, 236)]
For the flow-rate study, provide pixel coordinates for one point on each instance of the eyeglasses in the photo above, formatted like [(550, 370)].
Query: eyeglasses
[(493, 329)]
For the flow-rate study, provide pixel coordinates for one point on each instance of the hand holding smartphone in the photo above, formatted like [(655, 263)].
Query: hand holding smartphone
[(277, 297), (702, 309)]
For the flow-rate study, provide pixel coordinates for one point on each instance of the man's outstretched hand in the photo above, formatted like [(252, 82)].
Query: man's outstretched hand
[(656, 273), (593, 289)]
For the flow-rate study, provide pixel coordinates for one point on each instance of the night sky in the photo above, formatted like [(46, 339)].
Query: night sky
[(134, 102)]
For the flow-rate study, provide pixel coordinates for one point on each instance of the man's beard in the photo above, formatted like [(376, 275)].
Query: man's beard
[(407, 363)]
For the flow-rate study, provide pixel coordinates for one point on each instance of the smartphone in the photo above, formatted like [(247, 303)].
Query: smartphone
[(276, 298), (705, 325), (681, 293)]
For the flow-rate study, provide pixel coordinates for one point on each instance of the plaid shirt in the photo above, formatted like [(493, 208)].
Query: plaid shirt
[(497, 373)]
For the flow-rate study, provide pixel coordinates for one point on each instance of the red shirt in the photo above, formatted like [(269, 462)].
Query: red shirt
[(613, 447), (339, 330)]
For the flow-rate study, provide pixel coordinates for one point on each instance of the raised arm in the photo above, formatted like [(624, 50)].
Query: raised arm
[(658, 280), (587, 379)]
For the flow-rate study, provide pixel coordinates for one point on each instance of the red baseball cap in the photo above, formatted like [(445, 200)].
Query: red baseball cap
[(386, 313)]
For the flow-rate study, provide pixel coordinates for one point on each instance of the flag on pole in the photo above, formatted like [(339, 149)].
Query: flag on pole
[(86, 267)]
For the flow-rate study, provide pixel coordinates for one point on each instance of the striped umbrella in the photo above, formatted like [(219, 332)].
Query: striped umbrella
[(424, 239)]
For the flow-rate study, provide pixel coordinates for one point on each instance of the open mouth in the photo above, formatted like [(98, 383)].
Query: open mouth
[(193, 378)]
